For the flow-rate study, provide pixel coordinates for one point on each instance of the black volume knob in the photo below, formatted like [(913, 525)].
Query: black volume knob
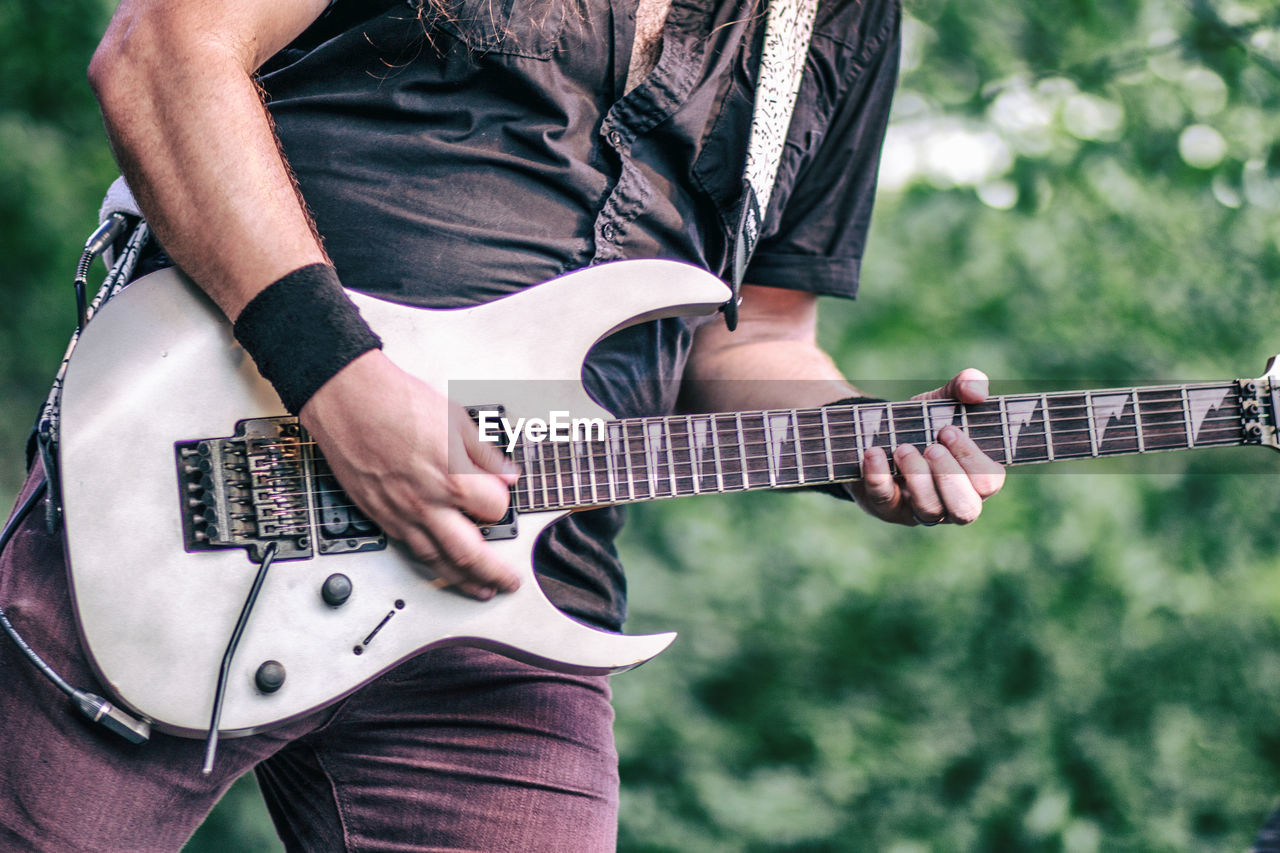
[(270, 676), (336, 590)]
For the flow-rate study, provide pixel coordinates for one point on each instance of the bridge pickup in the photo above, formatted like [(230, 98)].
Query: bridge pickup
[(506, 527), (265, 484)]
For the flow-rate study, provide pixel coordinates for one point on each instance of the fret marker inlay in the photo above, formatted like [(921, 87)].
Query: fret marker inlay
[(1204, 400), (1106, 408), (1021, 413)]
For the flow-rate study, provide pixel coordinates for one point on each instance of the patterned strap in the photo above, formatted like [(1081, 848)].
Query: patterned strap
[(786, 45)]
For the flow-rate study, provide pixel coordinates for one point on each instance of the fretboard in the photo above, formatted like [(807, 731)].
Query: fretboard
[(642, 459)]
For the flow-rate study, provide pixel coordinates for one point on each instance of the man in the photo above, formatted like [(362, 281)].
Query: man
[(445, 156)]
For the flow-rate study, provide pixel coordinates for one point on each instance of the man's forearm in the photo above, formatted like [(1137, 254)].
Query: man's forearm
[(190, 132), (773, 374)]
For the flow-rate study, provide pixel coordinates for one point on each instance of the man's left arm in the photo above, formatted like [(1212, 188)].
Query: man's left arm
[(773, 361)]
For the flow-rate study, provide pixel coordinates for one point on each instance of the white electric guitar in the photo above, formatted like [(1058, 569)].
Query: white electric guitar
[(182, 475)]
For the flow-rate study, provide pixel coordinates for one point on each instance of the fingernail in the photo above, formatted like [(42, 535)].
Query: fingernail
[(510, 469), (948, 434), (974, 387)]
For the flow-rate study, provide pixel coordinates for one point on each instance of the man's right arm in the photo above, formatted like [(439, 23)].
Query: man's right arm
[(186, 120)]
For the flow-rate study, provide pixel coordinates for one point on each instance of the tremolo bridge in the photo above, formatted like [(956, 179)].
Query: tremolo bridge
[(267, 484)]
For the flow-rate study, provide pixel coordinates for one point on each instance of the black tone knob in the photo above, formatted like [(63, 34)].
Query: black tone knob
[(270, 676), (336, 590)]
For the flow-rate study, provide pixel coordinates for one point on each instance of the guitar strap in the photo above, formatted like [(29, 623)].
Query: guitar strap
[(787, 34)]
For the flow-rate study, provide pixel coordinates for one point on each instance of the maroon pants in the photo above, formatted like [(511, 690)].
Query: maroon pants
[(457, 749)]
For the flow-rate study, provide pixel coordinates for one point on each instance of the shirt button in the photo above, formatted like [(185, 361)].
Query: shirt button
[(615, 138), (608, 232)]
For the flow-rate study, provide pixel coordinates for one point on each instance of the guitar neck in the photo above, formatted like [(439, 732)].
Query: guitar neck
[(641, 459)]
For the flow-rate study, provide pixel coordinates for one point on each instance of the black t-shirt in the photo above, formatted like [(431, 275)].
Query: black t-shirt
[(452, 160)]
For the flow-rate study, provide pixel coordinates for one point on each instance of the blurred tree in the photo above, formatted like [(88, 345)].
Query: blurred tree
[(1073, 193)]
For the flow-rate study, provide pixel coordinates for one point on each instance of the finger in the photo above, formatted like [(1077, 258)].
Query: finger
[(986, 474), (880, 494), (480, 496), (487, 456), (918, 480), (968, 386), (961, 503), (465, 556), (480, 478)]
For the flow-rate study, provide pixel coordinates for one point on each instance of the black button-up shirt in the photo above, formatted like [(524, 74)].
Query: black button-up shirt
[(454, 160)]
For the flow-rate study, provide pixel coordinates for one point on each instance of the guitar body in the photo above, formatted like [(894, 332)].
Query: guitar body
[(158, 366)]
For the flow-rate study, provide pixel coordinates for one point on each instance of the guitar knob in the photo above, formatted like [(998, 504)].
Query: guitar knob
[(336, 590), (270, 676)]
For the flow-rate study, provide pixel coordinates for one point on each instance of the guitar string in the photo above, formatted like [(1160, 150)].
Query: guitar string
[(677, 427), (625, 443), (643, 445), (1056, 437), (1026, 451), (744, 484), (685, 471)]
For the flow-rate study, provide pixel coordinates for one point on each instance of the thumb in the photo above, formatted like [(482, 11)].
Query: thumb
[(486, 455), (968, 386)]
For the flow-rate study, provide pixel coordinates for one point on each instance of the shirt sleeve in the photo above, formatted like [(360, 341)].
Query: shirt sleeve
[(816, 226)]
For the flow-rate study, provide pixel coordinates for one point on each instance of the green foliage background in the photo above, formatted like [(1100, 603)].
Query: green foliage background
[(1095, 664)]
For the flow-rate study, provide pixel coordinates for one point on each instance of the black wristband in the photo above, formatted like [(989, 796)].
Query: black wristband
[(841, 489), (301, 330)]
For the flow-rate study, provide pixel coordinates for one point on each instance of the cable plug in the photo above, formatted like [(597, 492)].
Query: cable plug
[(103, 713)]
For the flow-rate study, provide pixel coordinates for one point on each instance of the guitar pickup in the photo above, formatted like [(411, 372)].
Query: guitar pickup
[(505, 527)]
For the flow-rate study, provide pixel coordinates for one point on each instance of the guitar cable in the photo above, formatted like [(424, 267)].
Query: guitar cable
[(91, 705)]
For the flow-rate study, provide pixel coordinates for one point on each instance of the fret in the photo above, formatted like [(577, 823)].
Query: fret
[(742, 450), (671, 458), (542, 473), (827, 450), (1186, 415), (652, 466), (1090, 422), (555, 456), (795, 422), (1008, 447), (858, 446), (715, 452), (575, 470), (589, 453), (1137, 423), (772, 446), (611, 459), (695, 455), (626, 451), (1048, 429), (893, 433), (528, 473)]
